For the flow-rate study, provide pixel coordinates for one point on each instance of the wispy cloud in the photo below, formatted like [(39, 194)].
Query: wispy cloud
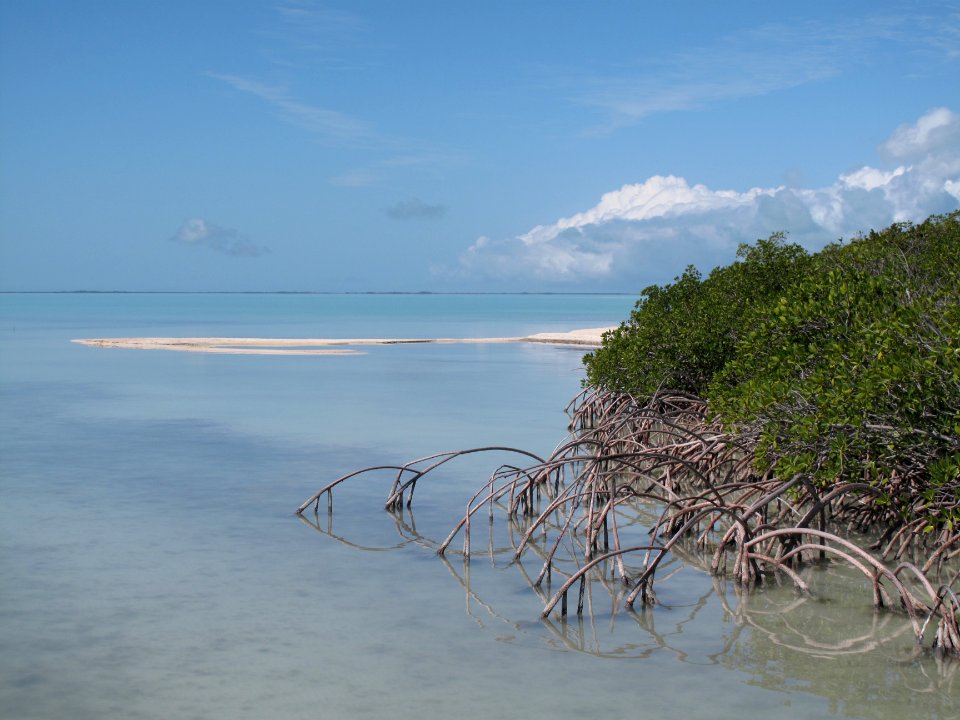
[(342, 130), (943, 32), (315, 20), (307, 40), (326, 124), (635, 234), (377, 172), (310, 33), (356, 178), (197, 232), (754, 62), (701, 77), (415, 209)]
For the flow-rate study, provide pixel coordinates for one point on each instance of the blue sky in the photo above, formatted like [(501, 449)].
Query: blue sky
[(453, 146)]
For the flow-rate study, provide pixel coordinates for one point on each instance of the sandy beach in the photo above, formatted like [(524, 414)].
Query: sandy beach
[(587, 337)]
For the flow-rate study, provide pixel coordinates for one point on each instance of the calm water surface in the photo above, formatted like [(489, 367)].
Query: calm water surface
[(151, 565)]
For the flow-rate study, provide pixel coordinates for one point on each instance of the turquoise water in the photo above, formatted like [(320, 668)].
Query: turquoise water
[(151, 565)]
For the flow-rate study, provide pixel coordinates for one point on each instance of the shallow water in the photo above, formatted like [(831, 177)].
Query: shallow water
[(152, 567)]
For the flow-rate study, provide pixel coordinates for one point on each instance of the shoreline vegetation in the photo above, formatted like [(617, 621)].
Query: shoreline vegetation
[(786, 412), (587, 337)]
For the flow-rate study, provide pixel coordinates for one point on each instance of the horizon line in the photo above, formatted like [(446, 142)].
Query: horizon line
[(302, 292)]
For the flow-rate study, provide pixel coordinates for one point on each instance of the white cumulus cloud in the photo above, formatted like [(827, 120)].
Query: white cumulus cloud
[(938, 130), (634, 235)]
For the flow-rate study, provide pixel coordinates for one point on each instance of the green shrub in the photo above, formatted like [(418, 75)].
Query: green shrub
[(844, 364), (681, 334), (854, 372)]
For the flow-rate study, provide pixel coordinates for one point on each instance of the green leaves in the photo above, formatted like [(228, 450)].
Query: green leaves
[(680, 335), (865, 340), (844, 365)]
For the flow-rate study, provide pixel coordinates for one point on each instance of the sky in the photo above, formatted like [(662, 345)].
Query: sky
[(439, 145)]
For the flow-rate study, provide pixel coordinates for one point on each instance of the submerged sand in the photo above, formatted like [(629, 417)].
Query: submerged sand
[(588, 337)]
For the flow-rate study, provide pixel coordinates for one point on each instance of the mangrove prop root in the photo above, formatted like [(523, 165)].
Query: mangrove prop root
[(665, 459)]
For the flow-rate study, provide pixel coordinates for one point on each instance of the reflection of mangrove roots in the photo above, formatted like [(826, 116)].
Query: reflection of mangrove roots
[(662, 464)]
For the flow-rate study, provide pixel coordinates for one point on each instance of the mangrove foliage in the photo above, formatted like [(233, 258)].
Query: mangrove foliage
[(844, 364)]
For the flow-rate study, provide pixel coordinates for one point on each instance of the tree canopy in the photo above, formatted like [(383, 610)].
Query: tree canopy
[(682, 334), (844, 364)]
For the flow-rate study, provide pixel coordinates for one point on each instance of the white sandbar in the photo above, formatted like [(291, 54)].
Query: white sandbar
[(589, 337)]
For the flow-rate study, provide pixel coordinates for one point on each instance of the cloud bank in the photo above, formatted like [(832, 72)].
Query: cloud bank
[(635, 234), (198, 232)]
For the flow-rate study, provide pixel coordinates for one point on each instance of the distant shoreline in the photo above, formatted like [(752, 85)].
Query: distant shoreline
[(587, 337)]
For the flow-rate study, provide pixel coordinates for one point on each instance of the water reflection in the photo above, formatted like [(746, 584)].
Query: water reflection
[(407, 533), (831, 643)]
